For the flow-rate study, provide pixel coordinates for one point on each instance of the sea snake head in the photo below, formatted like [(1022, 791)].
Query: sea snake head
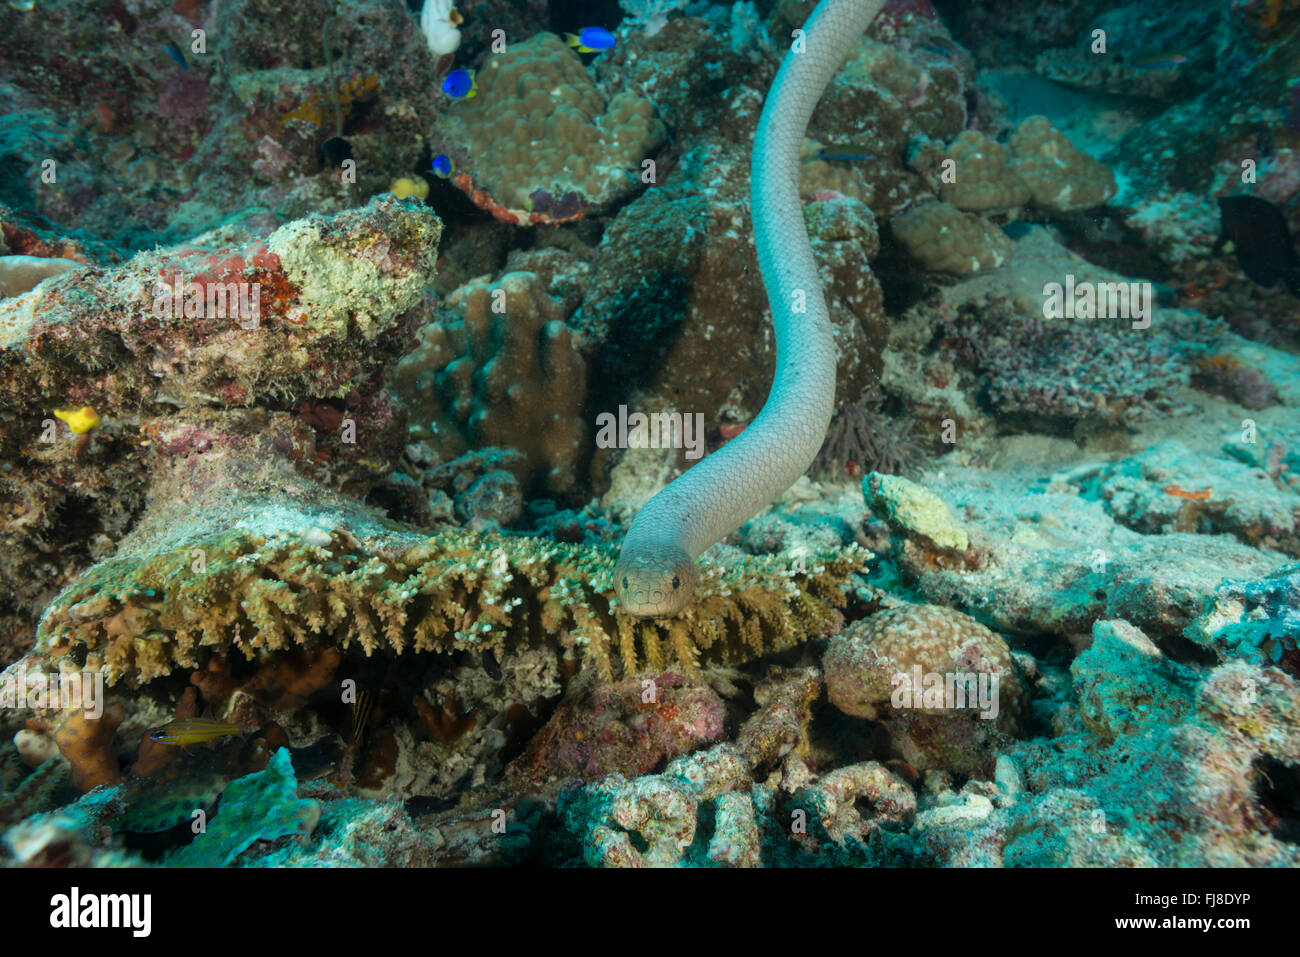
[(654, 582)]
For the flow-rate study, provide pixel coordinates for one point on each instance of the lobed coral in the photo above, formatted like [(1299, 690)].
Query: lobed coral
[(501, 369)]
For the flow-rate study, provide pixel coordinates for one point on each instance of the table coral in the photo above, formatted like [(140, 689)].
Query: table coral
[(502, 369), (305, 568), (540, 143)]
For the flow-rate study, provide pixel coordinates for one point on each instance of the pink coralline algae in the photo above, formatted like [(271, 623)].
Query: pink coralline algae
[(628, 728)]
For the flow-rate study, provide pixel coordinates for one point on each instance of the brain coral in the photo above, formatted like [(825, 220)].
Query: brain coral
[(506, 372), (947, 240), (540, 143)]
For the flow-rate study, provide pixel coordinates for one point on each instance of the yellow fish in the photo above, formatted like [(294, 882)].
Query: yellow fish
[(186, 731), (79, 420), (407, 187)]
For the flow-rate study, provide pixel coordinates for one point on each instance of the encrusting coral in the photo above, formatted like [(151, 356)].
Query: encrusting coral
[(501, 369)]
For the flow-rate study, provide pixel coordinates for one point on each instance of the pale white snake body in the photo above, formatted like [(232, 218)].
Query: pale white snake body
[(655, 574)]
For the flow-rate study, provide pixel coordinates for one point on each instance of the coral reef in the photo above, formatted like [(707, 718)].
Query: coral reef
[(298, 438)]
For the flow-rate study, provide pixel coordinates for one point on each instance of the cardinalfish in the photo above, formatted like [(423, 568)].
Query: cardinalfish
[(591, 40), (184, 732), (360, 715)]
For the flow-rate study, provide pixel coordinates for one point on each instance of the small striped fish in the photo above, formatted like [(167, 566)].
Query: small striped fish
[(186, 731), (360, 715)]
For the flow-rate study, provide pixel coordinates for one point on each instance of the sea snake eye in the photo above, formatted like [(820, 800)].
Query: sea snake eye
[(624, 581), (677, 582)]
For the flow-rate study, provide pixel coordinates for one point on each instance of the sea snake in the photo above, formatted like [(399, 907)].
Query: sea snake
[(655, 573)]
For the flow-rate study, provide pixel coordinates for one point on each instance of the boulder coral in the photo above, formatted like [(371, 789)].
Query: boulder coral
[(541, 143), (964, 697), (501, 369)]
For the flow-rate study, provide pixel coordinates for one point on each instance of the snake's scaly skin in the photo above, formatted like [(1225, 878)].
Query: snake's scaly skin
[(655, 573)]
